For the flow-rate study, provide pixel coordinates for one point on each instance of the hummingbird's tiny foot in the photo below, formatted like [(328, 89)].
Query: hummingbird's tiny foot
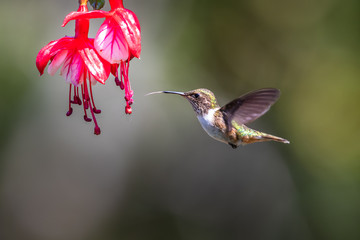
[(233, 145)]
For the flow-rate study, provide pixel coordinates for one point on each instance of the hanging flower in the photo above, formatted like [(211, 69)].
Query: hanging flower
[(118, 40), (81, 64)]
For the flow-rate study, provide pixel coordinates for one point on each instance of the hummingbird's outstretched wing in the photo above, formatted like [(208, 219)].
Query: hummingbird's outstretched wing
[(249, 106)]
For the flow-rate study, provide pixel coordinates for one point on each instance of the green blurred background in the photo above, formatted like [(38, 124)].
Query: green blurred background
[(156, 174)]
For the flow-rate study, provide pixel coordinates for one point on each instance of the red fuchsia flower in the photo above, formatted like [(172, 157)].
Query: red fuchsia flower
[(118, 40), (81, 65)]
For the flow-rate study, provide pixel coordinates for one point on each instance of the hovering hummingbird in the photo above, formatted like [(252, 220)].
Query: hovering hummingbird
[(227, 123)]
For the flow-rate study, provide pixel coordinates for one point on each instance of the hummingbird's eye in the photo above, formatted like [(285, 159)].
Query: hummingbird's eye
[(196, 95)]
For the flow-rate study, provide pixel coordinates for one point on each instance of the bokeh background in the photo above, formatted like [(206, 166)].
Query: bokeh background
[(156, 174)]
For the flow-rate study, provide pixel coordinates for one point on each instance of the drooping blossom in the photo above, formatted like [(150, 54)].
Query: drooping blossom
[(81, 64), (118, 40)]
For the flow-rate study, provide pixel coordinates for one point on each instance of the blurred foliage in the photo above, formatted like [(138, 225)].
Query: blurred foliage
[(14, 66), (97, 4), (11, 101)]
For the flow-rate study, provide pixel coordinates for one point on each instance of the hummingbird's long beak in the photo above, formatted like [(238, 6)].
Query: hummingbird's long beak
[(171, 92)]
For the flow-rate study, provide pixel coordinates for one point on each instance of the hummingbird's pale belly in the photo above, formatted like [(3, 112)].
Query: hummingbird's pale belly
[(208, 124)]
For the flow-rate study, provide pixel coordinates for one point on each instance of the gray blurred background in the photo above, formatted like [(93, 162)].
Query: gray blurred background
[(156, 174)]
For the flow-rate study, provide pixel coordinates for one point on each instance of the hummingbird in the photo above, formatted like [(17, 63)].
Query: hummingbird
[(227, 123)]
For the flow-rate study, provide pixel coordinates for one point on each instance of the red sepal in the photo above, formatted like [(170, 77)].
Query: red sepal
[(85, 15), (50, 50)]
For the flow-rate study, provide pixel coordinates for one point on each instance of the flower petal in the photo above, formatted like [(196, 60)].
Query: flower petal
[(57, 61), (73, 68), (110, 42)]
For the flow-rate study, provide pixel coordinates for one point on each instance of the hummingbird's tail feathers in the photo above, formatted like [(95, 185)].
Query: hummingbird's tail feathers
[(270, 137), (262, 137), (248, 135)]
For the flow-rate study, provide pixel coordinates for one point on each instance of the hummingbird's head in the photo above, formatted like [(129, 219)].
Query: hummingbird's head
[(202, 100)]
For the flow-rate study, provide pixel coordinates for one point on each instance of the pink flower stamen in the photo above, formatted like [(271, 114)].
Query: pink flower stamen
[(122, 86), (117, 81), (85, 104), (97, 130), (69, 112), (128, 92), (88, 102), (77, 96), (75, 99), (97, 111)]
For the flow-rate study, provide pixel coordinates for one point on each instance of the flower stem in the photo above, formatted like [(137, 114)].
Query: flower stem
[(116, 4)]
